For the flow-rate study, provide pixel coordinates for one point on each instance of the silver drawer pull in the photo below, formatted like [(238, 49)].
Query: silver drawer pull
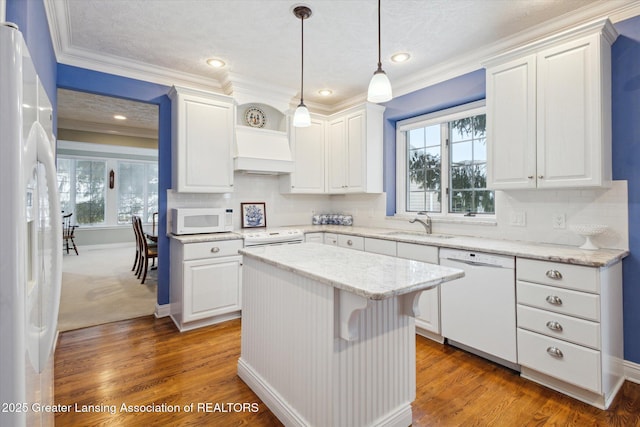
[(554, 326), (349, 242), (555, 352), (554, 274), (553, 299), (215, 250)]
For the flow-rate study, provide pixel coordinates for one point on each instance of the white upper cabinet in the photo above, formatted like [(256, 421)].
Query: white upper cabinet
[(355, 150), (549, 112), (202, 141), (309, 155)]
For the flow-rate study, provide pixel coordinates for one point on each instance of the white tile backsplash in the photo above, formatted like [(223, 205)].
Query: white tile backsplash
[(597, 206), (281, 209)]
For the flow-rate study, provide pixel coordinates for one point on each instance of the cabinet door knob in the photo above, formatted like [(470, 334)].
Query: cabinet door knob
[(540, 176), (554, 274), (215, 250), (554, 300), (530, 177), (349, 242), (555, 352), (554, 326)]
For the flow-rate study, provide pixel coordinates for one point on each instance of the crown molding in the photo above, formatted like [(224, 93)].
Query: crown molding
[(467, 63), (57, 16)]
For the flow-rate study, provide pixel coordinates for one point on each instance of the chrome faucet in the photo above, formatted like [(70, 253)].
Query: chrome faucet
[(426, 224)]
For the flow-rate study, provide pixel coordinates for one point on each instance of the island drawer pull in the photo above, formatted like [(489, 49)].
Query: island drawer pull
[(555, 352), (215, 249), (554, 274), (554, 300), (554, 326), (350, 242)]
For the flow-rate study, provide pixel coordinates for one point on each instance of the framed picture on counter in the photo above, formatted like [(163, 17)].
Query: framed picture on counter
[(254, 215)]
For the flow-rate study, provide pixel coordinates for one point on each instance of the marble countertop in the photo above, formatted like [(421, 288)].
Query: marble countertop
[(539, 251), (366, 274)]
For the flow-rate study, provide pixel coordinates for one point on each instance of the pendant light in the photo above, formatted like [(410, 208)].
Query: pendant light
[(301, 117), (379, 86)]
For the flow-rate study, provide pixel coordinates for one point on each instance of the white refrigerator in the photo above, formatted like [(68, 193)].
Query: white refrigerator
[(30, 239)]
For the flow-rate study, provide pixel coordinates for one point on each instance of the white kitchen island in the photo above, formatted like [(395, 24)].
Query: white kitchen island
[(328, 334)]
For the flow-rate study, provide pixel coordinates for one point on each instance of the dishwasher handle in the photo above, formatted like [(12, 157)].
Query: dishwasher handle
[(474, 263)]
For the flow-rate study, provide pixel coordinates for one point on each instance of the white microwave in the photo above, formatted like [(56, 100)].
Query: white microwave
[(201, 220)]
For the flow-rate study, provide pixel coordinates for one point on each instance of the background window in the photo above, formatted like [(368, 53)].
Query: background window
[(137, 191), (443, 157), (423, 169), (81, 183), (468, 157)]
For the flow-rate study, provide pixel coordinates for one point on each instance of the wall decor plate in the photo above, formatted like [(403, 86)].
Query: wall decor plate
[(255, 117)]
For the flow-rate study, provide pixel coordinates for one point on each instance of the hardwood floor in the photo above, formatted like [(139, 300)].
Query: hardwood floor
[(146, 361)]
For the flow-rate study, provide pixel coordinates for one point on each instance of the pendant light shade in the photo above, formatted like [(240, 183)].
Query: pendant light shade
[(379, 86), (301, 117)]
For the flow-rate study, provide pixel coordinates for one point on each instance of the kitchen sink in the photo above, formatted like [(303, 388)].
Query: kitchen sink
[(418, 235)]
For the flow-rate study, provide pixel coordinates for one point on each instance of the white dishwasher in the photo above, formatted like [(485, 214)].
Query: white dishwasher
[(478, 311)]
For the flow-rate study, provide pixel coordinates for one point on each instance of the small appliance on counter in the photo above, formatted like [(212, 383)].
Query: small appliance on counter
[(201, 220)]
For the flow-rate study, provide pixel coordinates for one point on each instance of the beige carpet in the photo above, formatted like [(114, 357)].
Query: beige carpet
[(99, 287)]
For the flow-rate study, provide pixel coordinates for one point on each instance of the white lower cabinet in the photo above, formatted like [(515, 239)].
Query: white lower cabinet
[(205, 282), (570, 328), (428, 321)]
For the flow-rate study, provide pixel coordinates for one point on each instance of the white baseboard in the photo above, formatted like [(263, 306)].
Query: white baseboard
[(163, 310), (632, 371), (107, 246)]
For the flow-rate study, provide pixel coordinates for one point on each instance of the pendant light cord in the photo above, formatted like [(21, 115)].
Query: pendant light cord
[(379, 38), (302, 60)]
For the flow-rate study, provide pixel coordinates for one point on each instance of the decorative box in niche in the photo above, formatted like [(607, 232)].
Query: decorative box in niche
[(332, 219)]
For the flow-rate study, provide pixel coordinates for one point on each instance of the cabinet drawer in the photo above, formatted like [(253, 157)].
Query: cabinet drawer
[(572, 363), (563, 301), (351, 242), (578, 331), (380, 246), (555, 274), (211, 249)]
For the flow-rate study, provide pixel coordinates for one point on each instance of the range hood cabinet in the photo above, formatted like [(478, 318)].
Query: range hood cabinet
[(262, 151)]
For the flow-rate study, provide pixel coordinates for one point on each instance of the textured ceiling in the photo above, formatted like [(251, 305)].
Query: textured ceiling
[(260, 39), (95, 113)]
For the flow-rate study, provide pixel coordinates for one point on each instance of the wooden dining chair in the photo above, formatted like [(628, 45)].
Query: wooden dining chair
[(136, 261), (67, 233), (146, 250)]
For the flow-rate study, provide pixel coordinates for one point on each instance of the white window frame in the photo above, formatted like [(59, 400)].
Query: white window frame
[(438, 117), (93, 151)]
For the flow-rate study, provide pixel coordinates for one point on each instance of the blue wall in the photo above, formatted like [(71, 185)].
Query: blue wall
[(625, 85), (136, 90)]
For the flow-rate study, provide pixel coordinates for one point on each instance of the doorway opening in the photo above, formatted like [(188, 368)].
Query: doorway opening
[(107, 156)]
